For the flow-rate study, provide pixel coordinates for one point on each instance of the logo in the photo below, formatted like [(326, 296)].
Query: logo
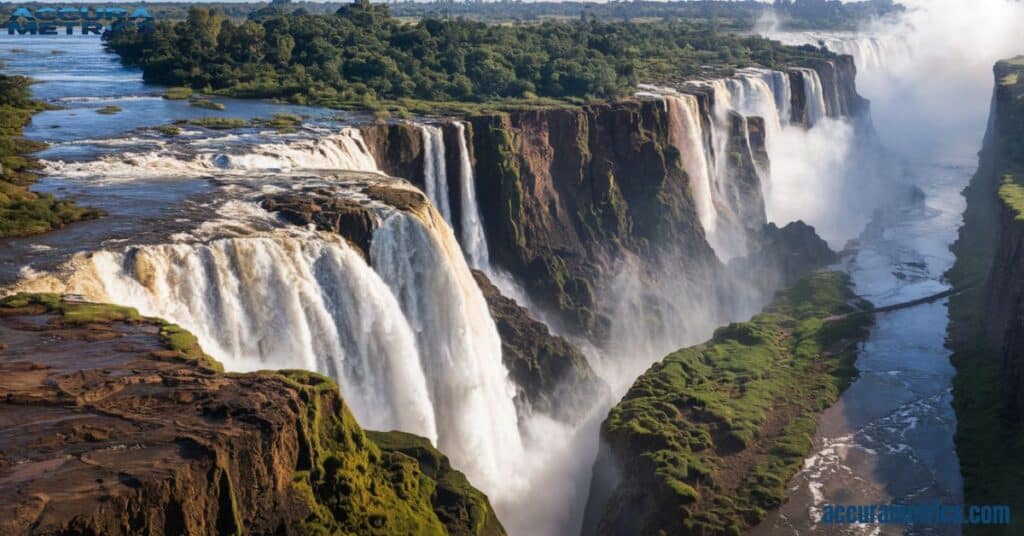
[(49, 20)]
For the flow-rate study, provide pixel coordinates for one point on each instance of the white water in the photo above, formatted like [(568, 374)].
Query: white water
[(815, 95), (477, 427), (344, 150), (435, 172), (687, 135), (474, 242), (412, 344)]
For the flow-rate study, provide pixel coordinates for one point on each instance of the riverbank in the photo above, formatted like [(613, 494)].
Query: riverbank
[(23, 212)]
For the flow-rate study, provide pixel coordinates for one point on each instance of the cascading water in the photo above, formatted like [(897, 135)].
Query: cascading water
[(816, 109), (687, 135), (345, 150), (423, 265), (412, 344), (474, 242), (435, 172), (279, 301)]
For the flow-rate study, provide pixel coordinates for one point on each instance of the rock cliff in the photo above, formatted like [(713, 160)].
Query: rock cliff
[(118, 424), (986, 330)]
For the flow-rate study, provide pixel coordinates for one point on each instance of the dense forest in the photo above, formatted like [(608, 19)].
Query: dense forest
[(737, 15), (364, 55)]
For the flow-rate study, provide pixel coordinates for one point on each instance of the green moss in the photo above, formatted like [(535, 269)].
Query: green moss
[(207, 104), (215, 123), (281, 122), (168, 130), (178, 93), (358, 487), (1011, 192), (682, 421), (109, 110)]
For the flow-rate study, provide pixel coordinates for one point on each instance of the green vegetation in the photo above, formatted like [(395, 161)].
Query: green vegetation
[(214, 123), (109, 110), (281, 122), (23, 212), (363, 57), (988, 441), (206, 103), (713, 432), (168, 130), (178, 93)]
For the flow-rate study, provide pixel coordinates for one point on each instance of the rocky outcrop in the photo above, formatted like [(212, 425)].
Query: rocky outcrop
[(705, 441), (780, 256), (569, 194), (553, 376), (118, 424)]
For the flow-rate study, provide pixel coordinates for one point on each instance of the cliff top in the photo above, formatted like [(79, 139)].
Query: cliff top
[(118, 423), (1009, 121)]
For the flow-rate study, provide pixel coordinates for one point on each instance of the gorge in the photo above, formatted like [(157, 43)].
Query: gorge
[(505, 284)]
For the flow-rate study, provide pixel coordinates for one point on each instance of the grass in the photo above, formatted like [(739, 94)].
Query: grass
[(206, 104), (215, 123), (178, 93), (168, 130), (281, 122), (109, 110), (713, 432)]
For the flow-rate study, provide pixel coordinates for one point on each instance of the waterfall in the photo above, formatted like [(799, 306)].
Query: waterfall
[(435, 172), (474, 242), (345, 150), (410, 341), (459, 344), (279, 301), (687, 135), (815, 96)]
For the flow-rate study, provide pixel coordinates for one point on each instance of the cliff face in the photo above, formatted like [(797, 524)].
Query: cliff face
[(568, 194), (986, 330), (118, 424), (553, 376)]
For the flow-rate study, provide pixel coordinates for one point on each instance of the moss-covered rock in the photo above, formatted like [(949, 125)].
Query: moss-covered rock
[(705, 440), (136, 430)]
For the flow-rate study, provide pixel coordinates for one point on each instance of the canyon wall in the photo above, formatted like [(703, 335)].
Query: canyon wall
[(986, 330), (570, 196)]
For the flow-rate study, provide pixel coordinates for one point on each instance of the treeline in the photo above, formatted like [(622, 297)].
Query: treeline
[(363, 54), (740, 15)]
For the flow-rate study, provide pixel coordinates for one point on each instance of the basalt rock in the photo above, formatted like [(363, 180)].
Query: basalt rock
[(553, 376), (567, 195), (118, 424), (780, 256), (326, 211)]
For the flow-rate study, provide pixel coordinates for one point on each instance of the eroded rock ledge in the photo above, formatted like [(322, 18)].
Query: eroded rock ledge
[(117, 424)]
